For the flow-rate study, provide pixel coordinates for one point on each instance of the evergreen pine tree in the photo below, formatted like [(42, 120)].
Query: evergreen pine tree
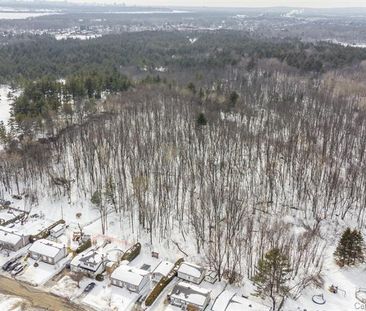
[(272, 274), (234, 96), (350, 248), (201, 120), (357, 247)]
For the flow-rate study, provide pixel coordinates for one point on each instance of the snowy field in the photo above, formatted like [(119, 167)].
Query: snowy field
[(21, 15), (76, 36)]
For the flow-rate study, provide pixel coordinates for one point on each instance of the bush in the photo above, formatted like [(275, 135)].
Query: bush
[(162, 284), (99, 277), (84, 246), (132, 253)]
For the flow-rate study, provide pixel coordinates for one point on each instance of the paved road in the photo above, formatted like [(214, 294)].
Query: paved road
[(35, 297)]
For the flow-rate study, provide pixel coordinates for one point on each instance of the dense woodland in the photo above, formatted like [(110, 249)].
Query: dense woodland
[(31, 57), (267, 157)]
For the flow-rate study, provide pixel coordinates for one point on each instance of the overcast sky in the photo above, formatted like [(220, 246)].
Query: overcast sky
[(238, 3)]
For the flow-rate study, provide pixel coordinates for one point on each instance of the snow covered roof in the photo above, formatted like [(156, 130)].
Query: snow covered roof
[(128, 274), (190, 293), (58, 228), (229, 301), (164, 267), (8, 214), (46, 248), (191, 269), (9, 236), (89, 260)]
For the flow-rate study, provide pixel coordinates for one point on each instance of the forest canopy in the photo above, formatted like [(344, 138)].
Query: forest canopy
[(31, 57)]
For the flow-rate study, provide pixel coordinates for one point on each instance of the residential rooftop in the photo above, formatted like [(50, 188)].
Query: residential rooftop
[(129, 274), (190, 293)]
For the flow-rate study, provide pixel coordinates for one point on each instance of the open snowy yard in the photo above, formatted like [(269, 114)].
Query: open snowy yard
[(68, 288), (106, 297), (39, 275), (348, 280)]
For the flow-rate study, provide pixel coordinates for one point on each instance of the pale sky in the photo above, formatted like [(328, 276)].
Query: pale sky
[(237, 3)]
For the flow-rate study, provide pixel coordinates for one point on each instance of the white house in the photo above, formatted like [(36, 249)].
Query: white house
[(162, 270), (185, 295), (132, 278), (47, 251), (12, 240), (229, 301), (191, 272), (90, 262)]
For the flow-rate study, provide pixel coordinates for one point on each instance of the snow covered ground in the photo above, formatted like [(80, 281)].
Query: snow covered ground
[(21, 15), (39, 275), (107, 297), (76, 36), (348, 281), (13, 303), (68, 288), (4, 103), (122, 236)]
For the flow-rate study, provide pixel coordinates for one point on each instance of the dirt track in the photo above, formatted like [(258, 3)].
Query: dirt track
[(36, 298)]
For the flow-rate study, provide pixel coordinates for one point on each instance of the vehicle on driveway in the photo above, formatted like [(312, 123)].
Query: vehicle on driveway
[(17, 270), (7, 265), (13, 266), (89, 287)]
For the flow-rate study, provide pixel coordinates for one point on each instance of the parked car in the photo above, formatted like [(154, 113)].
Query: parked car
[(6, 265), (13, 266), (89, 287), (18, 269), (4, 202)]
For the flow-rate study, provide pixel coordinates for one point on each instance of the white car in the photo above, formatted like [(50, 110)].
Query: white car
[(17, 270)]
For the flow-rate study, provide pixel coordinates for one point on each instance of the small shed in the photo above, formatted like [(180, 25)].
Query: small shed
[(211, 276), (57, 231)]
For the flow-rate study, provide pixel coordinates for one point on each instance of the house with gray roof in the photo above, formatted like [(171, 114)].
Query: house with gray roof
[(90, 262), (189, 297)]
